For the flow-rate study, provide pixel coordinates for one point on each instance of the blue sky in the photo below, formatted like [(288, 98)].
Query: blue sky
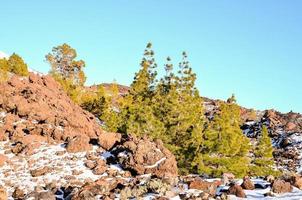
[(252, 48)]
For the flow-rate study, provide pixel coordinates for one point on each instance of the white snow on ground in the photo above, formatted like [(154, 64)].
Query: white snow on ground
[(16, 173), (155, 164)]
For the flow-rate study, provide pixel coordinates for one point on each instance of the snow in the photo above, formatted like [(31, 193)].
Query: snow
[(155, 164), (16, 173), (106, 155)]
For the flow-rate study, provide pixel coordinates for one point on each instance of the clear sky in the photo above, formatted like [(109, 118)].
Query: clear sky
[(252, 48)]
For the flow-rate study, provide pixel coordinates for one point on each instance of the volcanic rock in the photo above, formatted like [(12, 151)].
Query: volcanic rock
[(208, 187), (281, 186), (79, 143), (108, 139), (37, 105), (40, 172), (236, 190), (247, 184), (18, 194), (142, 156)]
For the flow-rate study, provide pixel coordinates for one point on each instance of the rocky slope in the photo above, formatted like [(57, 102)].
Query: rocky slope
[(52, 149)]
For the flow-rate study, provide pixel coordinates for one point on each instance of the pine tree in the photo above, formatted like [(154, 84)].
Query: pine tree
[(17, 66), (179, 107), (4, 64), (64, 66), (137, 108), (3, 70), (225, 147), (263, 163), (111, 110)]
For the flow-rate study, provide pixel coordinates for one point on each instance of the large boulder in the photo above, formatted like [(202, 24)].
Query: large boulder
[(143, 156), (205, 186), (281, 186), (236, 190), (79, 143), (108, 139), (37, 105), (247, 184)]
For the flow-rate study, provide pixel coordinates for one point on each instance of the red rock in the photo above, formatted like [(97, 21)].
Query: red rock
[(78, 144), (18, 194), (247, 184), (145, 156), (208, 187), (281, 186), (297, 181), (91, 189), (40, 172), (290, 126), (236, 190), (45, 110), (108, 139)]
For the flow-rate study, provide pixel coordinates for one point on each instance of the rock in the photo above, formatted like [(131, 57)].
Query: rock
[(227, 177), (90, 164), (46, 196), (205, 186), (247, 184), (290, 126), (3, 159), (40, 171), (142, 156), (270, 179), (3, 193), (91, 189), (281, 186), (107, 139), (158, 186), (78, 144), (236, 190), (297, 181), (18, 194), (100, 167), (38, 106)]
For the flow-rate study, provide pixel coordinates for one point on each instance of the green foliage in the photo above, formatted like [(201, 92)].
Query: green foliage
[(63, 64), (4, 64), (262, 165), (179, 107), (225, 148), (137, 107), (3, 70), (104, 105), (16, 65)]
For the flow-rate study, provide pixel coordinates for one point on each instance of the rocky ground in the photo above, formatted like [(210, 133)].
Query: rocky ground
[(52, 149)]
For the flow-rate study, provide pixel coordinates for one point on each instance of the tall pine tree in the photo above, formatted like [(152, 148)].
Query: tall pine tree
[(262, 165), (137, 108), (179, 107), (225, 147)]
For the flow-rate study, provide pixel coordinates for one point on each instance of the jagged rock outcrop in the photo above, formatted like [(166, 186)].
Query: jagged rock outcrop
[(37, 105), (142, 156)]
